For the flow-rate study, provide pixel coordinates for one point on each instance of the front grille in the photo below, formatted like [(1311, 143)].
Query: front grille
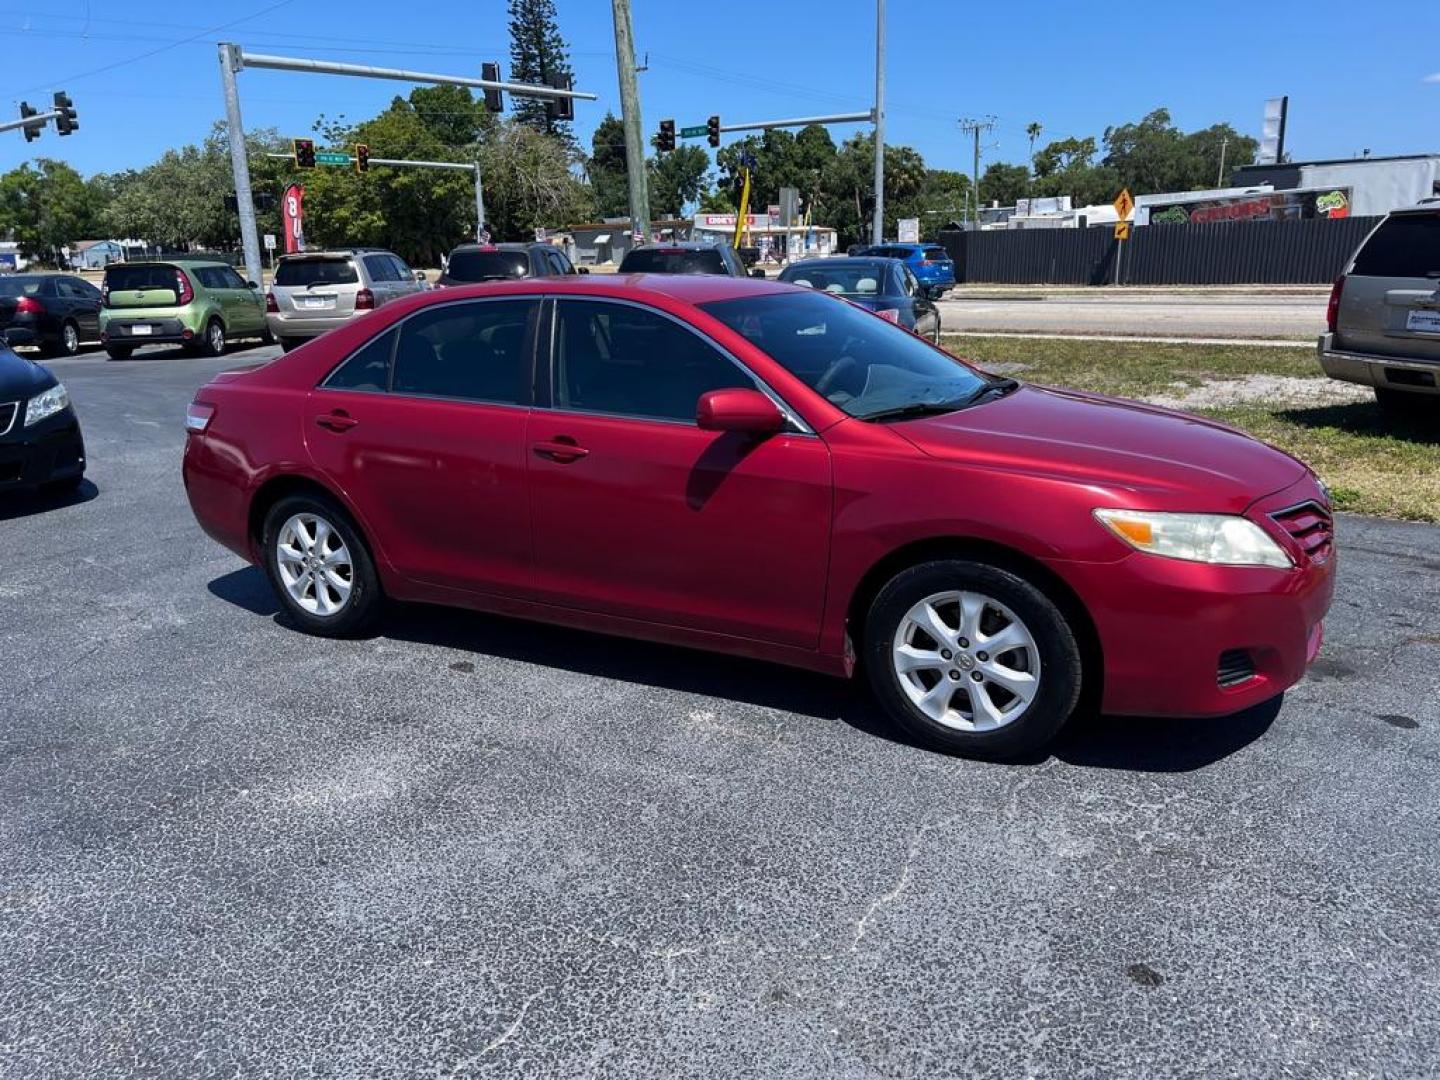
[(1311, 526), (8, 410), (1235, 667)]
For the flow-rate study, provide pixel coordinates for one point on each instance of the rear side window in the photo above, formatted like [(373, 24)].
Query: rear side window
[(368, 369), (140, 276), (303, 273), (1405, 246), (472, 351), (488, 265), (935, 254), (380, 268), (673, 261)]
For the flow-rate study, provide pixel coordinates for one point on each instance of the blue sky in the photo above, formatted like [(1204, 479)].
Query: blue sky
[(1353, 81)]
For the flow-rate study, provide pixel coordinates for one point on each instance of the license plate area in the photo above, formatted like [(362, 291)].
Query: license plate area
[(1423, 321), (315, 303), (141, 330)]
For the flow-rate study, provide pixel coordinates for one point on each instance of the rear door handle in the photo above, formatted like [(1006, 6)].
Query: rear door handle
[(560, 449), (336, 421)]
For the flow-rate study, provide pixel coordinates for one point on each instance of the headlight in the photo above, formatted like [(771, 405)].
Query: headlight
[(47, 404), (1207, 538)]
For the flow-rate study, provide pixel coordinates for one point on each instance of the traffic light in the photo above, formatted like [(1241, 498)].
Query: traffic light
[(667, 135), (362, 157), (560, 108), (66, 122), (32, 130), (712, 130), (304, 153), (494, 102)]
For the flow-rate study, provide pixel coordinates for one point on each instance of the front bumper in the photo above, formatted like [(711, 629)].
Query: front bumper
[(1165, 624), (1386, 372), (50, 451)]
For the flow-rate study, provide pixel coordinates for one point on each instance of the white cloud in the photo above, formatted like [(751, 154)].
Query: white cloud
[(1432, 78)]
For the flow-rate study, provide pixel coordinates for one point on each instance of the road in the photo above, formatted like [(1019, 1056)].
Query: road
[(474, 847), (1169, 314)]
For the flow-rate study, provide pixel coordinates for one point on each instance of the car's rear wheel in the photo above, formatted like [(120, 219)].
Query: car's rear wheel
[(1404, 405), (212, 341), (971, 658), (319, 566), (119, 352)]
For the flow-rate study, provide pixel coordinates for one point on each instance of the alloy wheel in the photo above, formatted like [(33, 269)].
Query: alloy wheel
[(216, 333), (70, 339), (315, 565), (966, 661)]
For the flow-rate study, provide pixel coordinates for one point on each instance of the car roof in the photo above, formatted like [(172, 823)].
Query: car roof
[(509, 245), (845, 260), (691, 289), (670, 245), (336, 253)]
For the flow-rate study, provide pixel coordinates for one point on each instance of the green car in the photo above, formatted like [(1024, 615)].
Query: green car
[(198, 304)]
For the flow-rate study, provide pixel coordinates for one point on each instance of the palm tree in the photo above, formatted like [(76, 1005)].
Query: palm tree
[(1033, 130)]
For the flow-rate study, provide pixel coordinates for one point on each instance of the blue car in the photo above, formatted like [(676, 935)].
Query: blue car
[(929, 263)]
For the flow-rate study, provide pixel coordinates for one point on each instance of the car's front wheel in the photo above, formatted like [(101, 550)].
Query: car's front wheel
[(972, 658), (319, 566)]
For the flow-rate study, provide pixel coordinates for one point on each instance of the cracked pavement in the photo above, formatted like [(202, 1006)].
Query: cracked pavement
[(475, 847)]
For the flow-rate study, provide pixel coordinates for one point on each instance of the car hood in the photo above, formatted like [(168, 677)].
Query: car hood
[(1173, 459), (21, 378)]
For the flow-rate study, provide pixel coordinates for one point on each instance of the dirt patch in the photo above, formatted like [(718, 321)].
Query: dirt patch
[(1262, 390)]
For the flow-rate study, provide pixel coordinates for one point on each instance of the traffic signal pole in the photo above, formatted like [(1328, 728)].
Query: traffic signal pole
[(30, 121), (877, 229), (230, 63)]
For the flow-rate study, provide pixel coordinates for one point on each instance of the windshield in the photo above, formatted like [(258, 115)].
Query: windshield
[(847, 279), (303, 273), (857, 361), (19, 286), (487, 265), (673, 261)]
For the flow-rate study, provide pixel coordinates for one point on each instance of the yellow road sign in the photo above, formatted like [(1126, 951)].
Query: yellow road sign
[(1122, 230), (1124, 204)]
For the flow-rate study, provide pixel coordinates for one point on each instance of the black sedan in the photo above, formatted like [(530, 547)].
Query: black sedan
[(40, 440), (885, 286), (54, 311)]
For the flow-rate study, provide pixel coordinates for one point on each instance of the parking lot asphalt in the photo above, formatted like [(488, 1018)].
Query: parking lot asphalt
[(469, 846)]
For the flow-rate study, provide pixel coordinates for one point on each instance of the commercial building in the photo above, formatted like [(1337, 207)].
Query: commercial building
[(601, 243), (777, 242)]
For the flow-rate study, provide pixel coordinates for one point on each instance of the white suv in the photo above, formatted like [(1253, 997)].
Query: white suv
[(318, 291)]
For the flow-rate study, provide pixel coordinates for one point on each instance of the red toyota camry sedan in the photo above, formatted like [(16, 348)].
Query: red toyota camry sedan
[(760, 469)]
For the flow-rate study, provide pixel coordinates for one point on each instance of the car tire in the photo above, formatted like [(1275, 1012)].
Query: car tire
[(267, 336), (119, 352), (67, 344), (289, 343), (1030, 687), (1403, 405), (303, 537), (212, 342)]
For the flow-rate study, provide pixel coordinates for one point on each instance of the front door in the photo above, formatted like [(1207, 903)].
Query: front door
[(244, 310), (424, 430), (638, 513)]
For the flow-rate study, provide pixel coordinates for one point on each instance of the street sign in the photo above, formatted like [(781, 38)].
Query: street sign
[(693, 132), (1124, 204), (907, 230), (1122, 230), (269, 241), (331, 157)]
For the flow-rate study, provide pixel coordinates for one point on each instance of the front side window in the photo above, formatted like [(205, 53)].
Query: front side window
[(471, 351), (625, 361), (861, 364), (231, 280)]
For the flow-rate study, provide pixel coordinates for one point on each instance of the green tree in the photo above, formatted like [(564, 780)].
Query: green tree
[(453, 114), (537, 51), (46, 208), (1003, 183), (606, 167), (529, 183), (677, 180)]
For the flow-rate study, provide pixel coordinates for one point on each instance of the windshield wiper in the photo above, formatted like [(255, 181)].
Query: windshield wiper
[(998, 387), (918, 408)]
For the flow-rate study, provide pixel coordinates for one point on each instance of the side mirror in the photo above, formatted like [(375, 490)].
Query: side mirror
[(420, 276), (755, 271), (251, 285), (582, 269), (934, 292), (738, 410)]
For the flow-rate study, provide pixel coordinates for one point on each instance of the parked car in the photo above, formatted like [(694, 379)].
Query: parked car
[(761, 469), (199, 304), (930, 263), (57, 312), (315, 292), (40, 441), (1383, 320), (885, 286), (472, 263), (686, 257)]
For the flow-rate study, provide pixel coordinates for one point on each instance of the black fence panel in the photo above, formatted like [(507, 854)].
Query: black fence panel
[(1302, 252)]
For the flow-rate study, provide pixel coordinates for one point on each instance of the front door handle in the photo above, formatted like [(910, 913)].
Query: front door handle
[(339, 420), (561, 449)]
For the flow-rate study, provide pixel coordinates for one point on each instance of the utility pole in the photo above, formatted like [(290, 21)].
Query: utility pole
[(230, 62), (630, 116), (877, 229), (1220, 176), (975, 127)]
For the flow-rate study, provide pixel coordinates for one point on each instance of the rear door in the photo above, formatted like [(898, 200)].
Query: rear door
[(1390, 303), (384, 281), (424, 429)]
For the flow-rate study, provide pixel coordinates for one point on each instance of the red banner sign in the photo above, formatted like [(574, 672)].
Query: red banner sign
[(293, 213)]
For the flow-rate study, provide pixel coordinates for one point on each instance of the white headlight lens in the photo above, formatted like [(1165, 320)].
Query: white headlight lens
[(1208, 538), (47, 404)]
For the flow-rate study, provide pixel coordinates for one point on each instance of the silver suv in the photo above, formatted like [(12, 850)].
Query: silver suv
[(1384, 314), (318, 291)]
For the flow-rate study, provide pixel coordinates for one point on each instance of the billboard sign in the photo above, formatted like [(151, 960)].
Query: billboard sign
[(1261, 206)]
